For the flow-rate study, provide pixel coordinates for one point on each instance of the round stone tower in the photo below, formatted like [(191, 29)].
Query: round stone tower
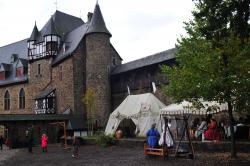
[(98, 61)]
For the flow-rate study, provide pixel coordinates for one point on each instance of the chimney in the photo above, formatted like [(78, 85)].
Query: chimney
[(89, 16)]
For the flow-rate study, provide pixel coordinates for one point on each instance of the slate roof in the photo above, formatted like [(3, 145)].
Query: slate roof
[(97, 24), (5, 67), (22, 62), (14, 80), (44, 93), (73, 39), (149, 60), (61, 24), (34, 34), (50, 29), (19, 48)]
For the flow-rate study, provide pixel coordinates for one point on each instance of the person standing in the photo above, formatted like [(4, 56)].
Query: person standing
[(29, 135), (44, 142), (1, 142), (153, 137), (76, 146)]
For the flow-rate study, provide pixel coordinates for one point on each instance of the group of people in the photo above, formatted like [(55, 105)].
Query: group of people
[(44, 142), (208, 130)]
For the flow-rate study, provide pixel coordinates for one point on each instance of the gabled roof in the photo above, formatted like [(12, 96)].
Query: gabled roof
[(97, 24), (22, 63), (149, 60), (5, 67)]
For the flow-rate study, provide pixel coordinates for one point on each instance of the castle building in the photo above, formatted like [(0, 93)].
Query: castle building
[(45, 78)]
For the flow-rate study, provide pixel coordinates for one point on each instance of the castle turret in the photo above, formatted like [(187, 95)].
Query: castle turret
[(98, 60), (51, 38), (31, 41)]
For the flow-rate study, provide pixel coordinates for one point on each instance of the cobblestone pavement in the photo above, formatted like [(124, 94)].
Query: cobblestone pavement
[(6, 153), (92, 155)]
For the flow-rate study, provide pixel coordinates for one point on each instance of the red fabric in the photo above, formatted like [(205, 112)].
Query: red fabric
[(19, 72), (44, 141), (212, 132), (2, 75)]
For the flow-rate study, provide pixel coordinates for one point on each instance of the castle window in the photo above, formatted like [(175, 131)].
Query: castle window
[(51, 46), (21, 99), (60, 73), (38, 69), (19, 72), (2, 75), (7, 100)]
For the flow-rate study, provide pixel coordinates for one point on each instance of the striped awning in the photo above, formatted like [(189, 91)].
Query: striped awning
[(186, 107)]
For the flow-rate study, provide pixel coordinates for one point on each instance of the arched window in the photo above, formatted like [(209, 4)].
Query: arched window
[(21, 99), (7, 100)]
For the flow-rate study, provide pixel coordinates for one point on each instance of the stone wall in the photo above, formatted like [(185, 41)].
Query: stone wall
[(62, 81), (38, 82), (14, 91), (98, 59), (79, 77), (115, 58)]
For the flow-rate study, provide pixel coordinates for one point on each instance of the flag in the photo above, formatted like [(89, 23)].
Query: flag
[(154, 87), (128, 90)]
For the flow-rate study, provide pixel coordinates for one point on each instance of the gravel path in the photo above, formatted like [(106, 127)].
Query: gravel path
[(92, 155)]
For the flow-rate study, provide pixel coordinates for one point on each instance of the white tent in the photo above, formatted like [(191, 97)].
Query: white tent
[(143, 110), (186, 107)]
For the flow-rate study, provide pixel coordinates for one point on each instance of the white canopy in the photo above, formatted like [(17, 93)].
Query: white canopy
[(186, 107), (142, 109)]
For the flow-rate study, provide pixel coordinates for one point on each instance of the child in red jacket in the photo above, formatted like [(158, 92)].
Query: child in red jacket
[(44, 142)]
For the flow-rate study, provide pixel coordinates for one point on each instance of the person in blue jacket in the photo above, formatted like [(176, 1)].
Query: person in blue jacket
[(153, 136)]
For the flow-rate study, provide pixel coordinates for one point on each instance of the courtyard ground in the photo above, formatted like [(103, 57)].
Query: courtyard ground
[(93, 155)]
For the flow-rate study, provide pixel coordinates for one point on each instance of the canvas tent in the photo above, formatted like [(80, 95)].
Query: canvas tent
[(142, 109)]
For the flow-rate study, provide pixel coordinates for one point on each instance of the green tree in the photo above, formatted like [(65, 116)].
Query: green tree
[(89, 101), (213, 60)]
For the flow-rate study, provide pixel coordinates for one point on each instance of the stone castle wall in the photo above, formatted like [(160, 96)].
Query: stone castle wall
[(98, 59)]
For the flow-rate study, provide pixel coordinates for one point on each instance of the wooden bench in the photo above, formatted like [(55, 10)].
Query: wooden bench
[(155, 151)]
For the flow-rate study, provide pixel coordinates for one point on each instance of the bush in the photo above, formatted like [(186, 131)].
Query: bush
[(105, 140)]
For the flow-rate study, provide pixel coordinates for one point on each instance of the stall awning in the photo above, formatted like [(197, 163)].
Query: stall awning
[(186, 107), (33, 117), (44, 93)]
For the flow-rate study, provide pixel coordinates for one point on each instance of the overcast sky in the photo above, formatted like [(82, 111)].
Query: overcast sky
[(139, 27)]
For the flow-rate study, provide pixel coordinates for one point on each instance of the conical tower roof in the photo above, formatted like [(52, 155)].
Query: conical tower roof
[(50, 28), (34, 34), (97, 24)]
